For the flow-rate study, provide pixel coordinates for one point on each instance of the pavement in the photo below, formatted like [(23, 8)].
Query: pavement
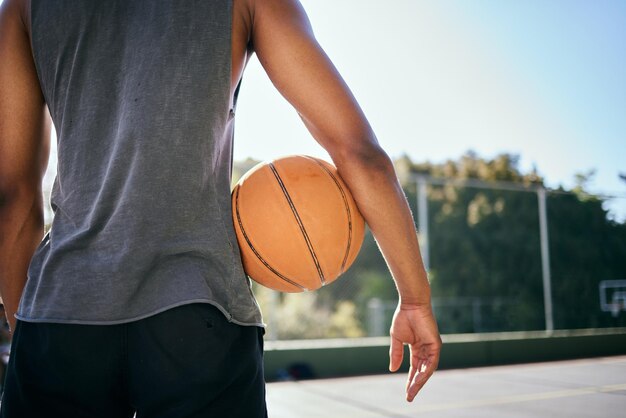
[(586, 388)]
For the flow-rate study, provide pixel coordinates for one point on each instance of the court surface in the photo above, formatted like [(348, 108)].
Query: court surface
[(579, 388)]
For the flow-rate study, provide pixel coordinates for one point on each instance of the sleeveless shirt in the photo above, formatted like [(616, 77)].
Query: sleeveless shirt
[(139, 94)]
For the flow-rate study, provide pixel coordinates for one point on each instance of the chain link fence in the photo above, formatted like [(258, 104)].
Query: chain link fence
[(501, 257)]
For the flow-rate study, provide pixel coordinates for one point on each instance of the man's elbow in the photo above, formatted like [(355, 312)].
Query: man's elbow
[(17, 195), (370, 155), (7, 195)]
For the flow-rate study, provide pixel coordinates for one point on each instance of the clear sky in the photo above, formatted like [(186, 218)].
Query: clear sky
[(542, 79)]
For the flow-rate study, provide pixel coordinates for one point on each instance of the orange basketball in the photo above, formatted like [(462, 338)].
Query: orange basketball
[(297, 224)]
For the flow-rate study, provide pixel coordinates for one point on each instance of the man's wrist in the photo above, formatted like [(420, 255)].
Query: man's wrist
[(414, 303), (421, 297)]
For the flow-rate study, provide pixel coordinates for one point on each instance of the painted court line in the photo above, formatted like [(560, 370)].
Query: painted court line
[(354, 403), (503, 400)]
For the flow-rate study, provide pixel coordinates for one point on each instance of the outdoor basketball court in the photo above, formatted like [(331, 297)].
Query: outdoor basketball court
[(580, 388)]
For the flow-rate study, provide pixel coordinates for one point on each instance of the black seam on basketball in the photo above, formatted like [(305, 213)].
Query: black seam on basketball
[(256, 253), (300, 224), (348, 212)]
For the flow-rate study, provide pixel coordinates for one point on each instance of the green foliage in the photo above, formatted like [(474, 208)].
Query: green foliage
[(585, 248), (484, 246), (301, 315)]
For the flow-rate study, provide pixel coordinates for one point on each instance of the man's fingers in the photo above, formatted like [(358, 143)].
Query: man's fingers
[(409, 380), (418, 381), (396, 353), (424, 372), (415, 366), (421, 370)]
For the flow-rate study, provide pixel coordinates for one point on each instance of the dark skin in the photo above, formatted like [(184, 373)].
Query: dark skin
[(279, 33)]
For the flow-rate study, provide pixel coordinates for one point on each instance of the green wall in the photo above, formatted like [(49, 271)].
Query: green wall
[(335, 358)]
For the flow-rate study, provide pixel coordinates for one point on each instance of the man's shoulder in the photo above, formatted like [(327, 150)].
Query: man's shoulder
[(244, 7), (252, 8), (18, 10), (243, 11)]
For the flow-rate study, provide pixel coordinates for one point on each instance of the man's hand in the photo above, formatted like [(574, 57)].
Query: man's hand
[(415, 325)]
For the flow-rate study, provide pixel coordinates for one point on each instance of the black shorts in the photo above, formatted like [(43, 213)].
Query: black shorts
[(185, 362)]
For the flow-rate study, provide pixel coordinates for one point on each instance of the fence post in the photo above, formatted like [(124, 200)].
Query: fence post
[(272, 320), (422, 224), (376, 317), (545, 259)]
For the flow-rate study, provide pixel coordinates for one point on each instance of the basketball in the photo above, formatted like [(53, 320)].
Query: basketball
[(297, 224)]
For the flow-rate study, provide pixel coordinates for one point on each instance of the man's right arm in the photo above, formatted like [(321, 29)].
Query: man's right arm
[(284, 42), (24, 148)]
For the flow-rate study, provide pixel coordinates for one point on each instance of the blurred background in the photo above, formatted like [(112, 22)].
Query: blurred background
[(506, 121), (487, 107), (498, 258)]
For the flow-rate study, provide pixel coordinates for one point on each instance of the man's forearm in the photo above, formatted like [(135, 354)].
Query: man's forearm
[(21, 230), (381, 200)]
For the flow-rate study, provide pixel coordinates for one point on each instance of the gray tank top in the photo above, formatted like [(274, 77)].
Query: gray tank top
[(139, 93)]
